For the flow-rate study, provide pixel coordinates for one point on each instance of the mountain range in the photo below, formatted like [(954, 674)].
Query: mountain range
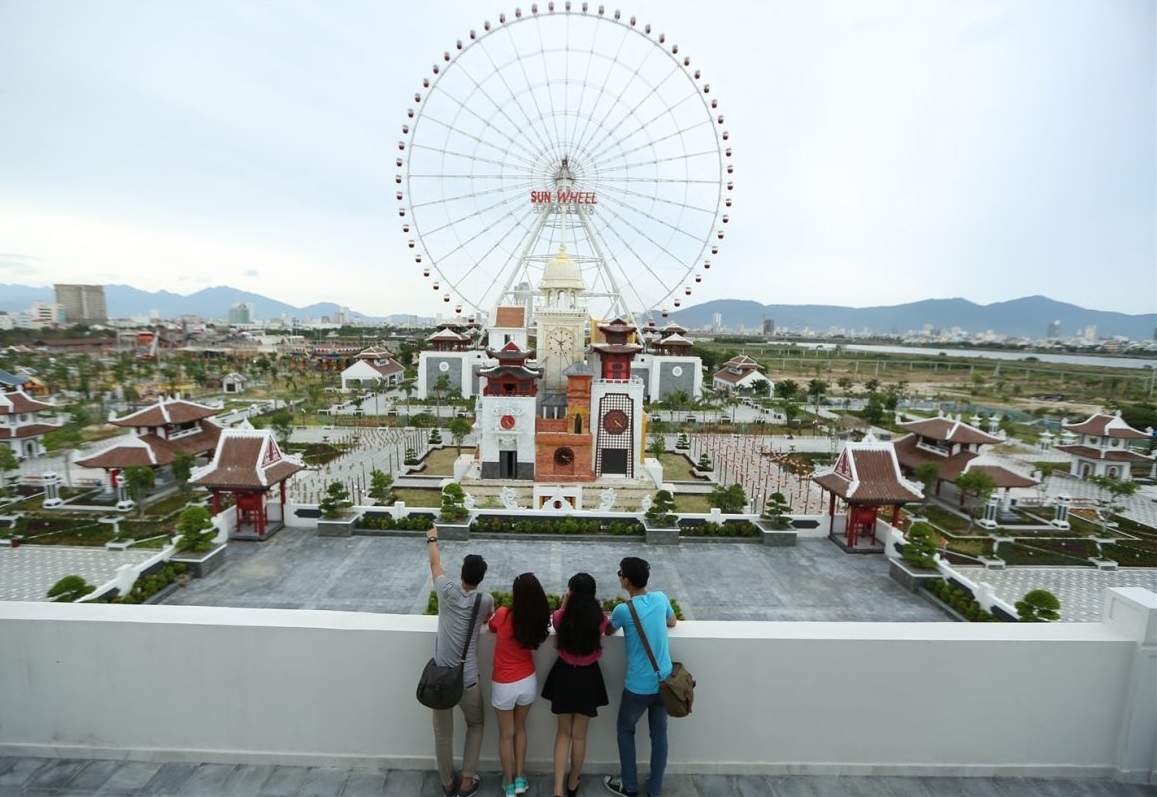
[(1026, 317)]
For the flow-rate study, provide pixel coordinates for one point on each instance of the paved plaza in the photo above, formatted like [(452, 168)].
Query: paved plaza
[(40, 777), (28, 572), (813, 581)]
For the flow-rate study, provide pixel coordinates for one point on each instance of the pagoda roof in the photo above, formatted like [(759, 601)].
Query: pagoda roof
[(166, 411), (511, 353), (518, 371), (912, 455), (152, 450), (674, 339), (617, 325), (1102, 424), (673, 329), (742, 362), (617, 348), (17, 401), (447, 334), (578, 368), (510, 317), (868, 473), (1088, 452), (375, 353), (948, 429), (28, 430), (246, 459)]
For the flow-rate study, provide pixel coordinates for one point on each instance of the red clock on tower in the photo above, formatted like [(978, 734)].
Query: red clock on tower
[(506, 422), (616, 422)]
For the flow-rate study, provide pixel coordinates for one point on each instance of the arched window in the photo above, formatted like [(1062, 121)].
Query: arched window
[(578, 423)]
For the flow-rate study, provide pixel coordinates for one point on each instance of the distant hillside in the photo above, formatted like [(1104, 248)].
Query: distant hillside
[(1028, 317), (124, 301)]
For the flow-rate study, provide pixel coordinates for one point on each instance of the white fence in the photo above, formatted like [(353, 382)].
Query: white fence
[(310, 687)]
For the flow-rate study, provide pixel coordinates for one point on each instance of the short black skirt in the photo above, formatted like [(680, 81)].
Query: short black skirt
[(575, 689)]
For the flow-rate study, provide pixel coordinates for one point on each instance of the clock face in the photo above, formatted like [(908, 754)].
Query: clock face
[(563, 456), (616, 422), (559, 341), (506, 421)]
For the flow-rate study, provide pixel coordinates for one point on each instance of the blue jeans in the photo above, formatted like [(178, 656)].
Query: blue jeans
[(630, 710)]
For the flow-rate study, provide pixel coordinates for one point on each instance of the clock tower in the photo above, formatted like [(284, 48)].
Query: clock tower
[(617, 403), (561, 321)]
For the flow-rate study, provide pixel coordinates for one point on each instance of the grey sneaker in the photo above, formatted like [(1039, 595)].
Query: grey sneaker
[(614, 785), (471, 787)]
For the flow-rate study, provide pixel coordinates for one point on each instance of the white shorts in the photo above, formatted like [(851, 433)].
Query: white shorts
[(505, 697)]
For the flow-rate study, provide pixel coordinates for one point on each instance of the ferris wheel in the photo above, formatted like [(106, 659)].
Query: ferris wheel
[(564, 126)]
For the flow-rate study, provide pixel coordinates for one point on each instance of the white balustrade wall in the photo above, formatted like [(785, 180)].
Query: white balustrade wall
[(311, 687)]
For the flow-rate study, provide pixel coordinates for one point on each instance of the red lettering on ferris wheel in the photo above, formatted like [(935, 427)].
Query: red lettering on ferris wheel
[(564, 197)]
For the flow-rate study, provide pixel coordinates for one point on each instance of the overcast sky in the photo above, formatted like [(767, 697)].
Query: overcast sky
[(885, 152)]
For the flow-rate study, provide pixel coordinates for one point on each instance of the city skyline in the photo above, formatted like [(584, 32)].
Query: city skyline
[(884, 153)]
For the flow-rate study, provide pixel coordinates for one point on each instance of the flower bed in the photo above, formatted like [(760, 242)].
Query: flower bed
[(497, 524)]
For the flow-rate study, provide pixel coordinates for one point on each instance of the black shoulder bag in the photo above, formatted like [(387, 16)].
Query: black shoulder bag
[(677, 690), (441, 687)]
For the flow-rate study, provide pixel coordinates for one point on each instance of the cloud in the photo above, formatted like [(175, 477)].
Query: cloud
[(14, 266)]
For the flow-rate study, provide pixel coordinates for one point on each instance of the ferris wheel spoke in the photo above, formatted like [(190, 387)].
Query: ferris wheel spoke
[(483, 177)]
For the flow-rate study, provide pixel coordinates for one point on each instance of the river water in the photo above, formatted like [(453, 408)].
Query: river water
[(1096, 361)]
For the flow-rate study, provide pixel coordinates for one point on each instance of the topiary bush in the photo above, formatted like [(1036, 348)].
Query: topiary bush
[(921, 544)]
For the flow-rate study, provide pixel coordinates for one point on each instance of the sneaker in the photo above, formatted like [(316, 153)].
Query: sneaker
[(508, 790), (470, 788), (521, 786), (614, 785), (453, 790)]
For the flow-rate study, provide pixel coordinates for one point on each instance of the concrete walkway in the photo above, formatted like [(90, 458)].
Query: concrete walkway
[(40, 777)]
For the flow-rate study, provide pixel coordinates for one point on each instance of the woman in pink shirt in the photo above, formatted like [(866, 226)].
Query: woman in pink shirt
[(520, 629), (575, 686)]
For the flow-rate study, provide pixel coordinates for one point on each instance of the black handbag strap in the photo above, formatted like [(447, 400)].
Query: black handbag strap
[(643, 638), (473, 618)]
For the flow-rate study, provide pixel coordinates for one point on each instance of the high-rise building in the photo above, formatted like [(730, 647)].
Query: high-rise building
[(241, 313), (83, 304), (768, 327), (1054, 330)]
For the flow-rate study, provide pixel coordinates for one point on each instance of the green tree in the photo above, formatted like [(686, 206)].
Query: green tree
[(873, 411), (791, 411), (1116, 489), (453, 503), (1038, 606), (459, 428), (975, 488), (336, 501), (660, 511), (928, 473), (730, 500), (381, 487), (786, 389), (8, 462), (140, 479), (70, 589), (658, 446), (921, 540), (281, 422), (845, 384), (195, 525), (816, 388), (775, 511), (441, 389), (183, 468)]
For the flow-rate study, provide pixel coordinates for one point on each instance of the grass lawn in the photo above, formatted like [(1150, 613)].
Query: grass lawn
[(676, 467), (440, 461), (692, 503), (417, 496)]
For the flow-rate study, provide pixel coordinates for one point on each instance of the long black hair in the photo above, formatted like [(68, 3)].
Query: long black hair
[(529, 612), (581, 627)]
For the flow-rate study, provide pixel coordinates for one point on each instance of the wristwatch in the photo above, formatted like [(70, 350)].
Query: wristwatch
[(431, 539)]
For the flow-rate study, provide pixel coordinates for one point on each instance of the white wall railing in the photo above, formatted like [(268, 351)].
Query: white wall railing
[(324, 688)]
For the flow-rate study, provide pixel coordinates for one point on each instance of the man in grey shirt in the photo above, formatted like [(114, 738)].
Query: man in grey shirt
[(455, 607)]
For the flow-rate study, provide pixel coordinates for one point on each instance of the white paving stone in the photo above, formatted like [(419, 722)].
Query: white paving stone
[(28, 572), (1081, 590)]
